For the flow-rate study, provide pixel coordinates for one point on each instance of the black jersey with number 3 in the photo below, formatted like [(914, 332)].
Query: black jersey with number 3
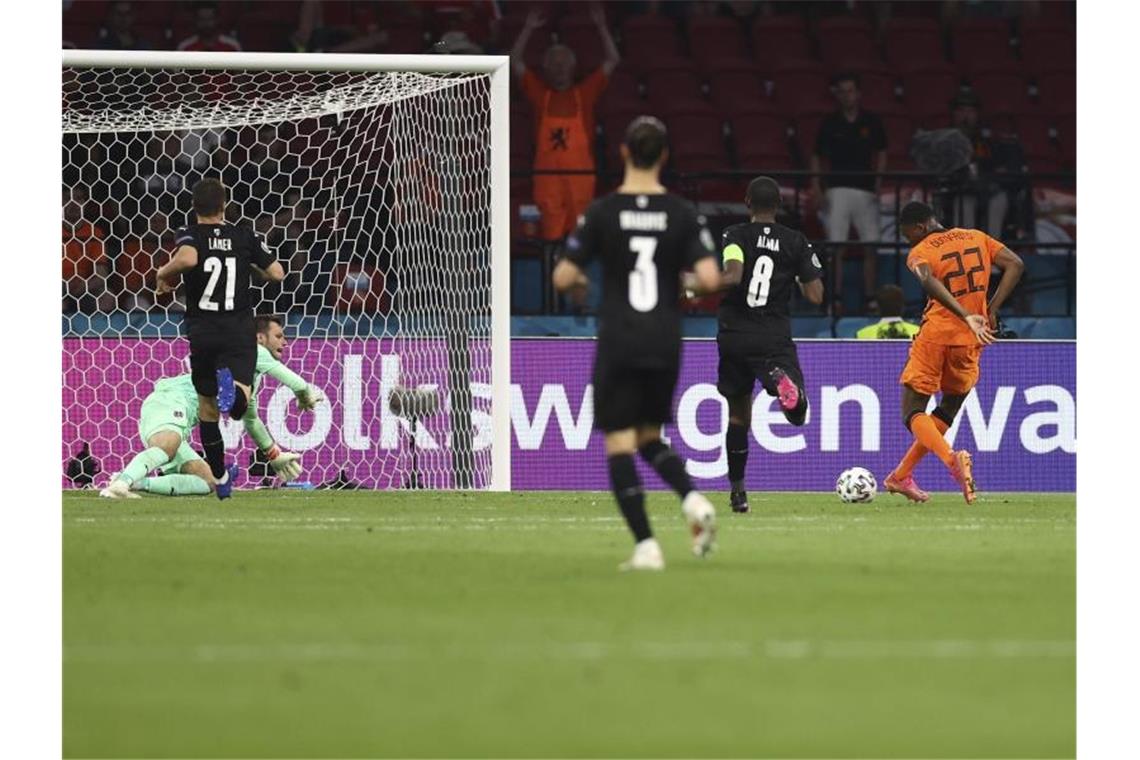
[(774, 257), (219, 284), (643, 242)]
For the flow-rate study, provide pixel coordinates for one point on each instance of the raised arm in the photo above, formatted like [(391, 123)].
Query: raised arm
[(613, 57), (1012, 267), (936, 290), (534, 20)]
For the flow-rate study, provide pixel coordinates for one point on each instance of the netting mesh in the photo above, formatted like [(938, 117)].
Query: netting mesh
[(373, 191)]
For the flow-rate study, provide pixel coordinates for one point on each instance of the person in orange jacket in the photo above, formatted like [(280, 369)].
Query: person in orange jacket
[(564, 124)]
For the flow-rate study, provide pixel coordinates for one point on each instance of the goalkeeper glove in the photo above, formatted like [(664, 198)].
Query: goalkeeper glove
[(286, 464), (309, 398)]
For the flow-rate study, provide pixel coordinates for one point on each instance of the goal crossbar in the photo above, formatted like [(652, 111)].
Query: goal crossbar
[(174, 59)]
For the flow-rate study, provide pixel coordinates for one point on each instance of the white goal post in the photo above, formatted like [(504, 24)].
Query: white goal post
[(382, 180)]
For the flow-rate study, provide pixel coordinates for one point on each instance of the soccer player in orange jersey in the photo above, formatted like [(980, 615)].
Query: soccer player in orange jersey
[(954, 269)]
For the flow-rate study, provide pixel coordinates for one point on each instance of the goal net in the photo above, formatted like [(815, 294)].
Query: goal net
[(378, 181)]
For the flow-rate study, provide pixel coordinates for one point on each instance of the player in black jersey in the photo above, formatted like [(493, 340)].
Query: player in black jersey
[(763, 262), (215, 260), (644, 238)]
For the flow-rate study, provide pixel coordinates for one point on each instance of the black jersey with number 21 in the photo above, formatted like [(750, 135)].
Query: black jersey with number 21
[(644, 242), (219, 284), (775, 257)]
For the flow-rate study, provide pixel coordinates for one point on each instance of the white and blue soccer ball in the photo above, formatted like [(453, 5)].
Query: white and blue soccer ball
[(856, 485)]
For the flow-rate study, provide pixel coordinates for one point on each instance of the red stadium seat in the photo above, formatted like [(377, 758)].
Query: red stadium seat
[(1041, 48), (846, 38), (981, 40), (923, 87), (759, 134), (765, 163), (798, 82), (734, 85), (780, 38), (649, 39), (1002, 92), (1057, 92), (911, 41), (807, 130), (1067, 141), (1037, 136), (710, 188), (713, 37), (899, 128), (694, 130), (673, 83)]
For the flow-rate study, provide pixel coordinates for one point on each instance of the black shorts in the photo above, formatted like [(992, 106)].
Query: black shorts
[(215, 342), (626, 397), (748, 357)]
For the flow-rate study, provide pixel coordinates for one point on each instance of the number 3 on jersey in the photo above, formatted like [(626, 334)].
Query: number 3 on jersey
[(643, 276), (213, 267), (761, 281)]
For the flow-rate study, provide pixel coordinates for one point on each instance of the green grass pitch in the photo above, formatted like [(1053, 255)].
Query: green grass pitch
[(434, 624)]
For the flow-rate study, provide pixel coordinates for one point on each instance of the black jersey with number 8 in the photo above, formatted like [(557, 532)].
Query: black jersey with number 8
[(220, 283), (774, 257)]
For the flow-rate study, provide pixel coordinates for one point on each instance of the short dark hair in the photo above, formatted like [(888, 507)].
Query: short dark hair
[(209, 197), (845, 76), (262, 322), (915, 213), (763, 194), (646, 139), (891, 300)]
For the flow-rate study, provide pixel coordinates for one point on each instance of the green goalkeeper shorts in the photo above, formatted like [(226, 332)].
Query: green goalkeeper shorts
[(167, 411)]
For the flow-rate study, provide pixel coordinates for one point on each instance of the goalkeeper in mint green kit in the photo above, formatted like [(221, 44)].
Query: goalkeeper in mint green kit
[(170, 412)]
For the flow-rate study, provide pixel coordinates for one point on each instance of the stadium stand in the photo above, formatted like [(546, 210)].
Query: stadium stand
[(741, 89)]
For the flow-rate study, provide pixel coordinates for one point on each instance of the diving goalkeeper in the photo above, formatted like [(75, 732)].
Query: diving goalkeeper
[(170, 412)]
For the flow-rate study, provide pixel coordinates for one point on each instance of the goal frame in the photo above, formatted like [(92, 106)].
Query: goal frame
[(498, 67)]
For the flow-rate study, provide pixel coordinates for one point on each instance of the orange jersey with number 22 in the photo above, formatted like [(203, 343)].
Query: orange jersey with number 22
[(961, 259)]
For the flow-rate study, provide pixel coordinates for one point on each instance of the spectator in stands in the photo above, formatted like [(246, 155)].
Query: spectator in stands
[(564, 115), (208, 37), (83, 252), (850, 140), (363, 35), (118, 33), (892, 325), (979, 185)]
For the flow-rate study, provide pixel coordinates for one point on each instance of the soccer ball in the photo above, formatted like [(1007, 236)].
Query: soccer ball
[(856, 485)]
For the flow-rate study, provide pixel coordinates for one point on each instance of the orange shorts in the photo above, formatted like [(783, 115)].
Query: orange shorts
[(561, 199), (933, 367)]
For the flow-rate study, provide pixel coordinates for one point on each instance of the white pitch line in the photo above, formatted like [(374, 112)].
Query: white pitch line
[(769, 649)]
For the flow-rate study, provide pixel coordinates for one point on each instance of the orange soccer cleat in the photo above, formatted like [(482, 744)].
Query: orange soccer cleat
[(963, 472)]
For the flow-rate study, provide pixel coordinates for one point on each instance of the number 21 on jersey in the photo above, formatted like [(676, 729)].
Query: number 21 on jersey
[(761, 281), (213, 267), (643, 276)]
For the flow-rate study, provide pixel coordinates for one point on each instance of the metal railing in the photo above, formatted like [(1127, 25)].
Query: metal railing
[(946, 194)]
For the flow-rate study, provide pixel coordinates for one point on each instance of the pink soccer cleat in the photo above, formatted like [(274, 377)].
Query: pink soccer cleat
[(905, 486), (786, 390)]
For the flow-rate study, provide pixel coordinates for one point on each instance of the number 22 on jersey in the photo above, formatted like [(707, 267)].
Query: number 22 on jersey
[(643, 276), (213, 267)]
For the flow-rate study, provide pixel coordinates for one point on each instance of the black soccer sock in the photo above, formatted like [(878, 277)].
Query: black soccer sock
[(214, 447), (736, 448), (630, 498), (668, 465)]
